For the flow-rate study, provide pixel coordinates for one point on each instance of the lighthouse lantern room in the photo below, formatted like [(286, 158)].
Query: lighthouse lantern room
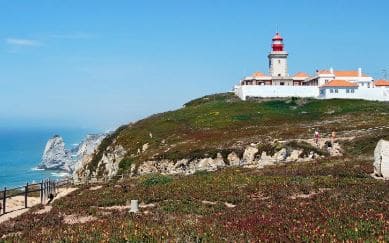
[(278, 65)]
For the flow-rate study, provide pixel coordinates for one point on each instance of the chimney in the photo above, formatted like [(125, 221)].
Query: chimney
[(331, 70), (359, 72)]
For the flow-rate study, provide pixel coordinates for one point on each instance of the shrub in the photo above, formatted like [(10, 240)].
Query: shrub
[(125, 165), (156, 179)]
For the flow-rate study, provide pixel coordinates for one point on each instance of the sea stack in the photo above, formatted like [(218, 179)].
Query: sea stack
[(55, 156)]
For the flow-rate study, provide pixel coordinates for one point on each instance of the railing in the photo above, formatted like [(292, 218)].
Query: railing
[(47, 189)]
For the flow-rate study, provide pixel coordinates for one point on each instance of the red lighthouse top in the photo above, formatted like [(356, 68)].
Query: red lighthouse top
[(277, 44)]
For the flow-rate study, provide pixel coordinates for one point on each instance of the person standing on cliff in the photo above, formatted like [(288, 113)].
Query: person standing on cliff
[(317, 137)]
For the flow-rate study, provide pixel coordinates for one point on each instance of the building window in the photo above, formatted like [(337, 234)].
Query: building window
[(352, 90), (331, 91), (347, 91), (336, 91), (322, 92), (279, 61), (279, 75), (282, 83)]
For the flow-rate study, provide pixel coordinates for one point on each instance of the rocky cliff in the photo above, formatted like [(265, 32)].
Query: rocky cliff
[(55, 156), (220, 130)]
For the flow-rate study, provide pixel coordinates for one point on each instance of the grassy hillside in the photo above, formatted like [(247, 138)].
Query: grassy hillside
[(219, 122), (329, 199), (325, 200)]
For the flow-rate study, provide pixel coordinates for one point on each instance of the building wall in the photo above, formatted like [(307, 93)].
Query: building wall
[(287, 82), (278, 64), (359, 93), (244, 91)]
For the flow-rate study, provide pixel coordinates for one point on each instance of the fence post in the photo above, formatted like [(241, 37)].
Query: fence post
[(4, 198), (45, 196), (25, 195), (41, 192)]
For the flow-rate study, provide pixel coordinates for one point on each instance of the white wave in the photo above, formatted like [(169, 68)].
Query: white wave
[(59, 174), (36, 168)]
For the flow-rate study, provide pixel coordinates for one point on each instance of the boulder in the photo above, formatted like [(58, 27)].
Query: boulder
[(233, 159), (381, 159), (249, 155), (281, 155), (294, 155)]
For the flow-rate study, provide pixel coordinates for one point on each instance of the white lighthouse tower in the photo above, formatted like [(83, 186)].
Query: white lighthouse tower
[(278, 65)]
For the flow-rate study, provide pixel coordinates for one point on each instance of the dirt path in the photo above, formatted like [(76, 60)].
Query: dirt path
[(15, 205)]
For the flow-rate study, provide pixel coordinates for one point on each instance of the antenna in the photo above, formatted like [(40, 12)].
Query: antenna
[(276, 28)]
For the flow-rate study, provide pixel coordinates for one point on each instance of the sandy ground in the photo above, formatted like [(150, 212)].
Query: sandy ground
[(15, 205)]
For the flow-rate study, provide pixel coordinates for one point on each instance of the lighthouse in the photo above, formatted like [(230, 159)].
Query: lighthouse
[(278, 65)]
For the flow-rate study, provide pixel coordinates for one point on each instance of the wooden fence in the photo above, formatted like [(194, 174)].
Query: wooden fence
[(44, 190)]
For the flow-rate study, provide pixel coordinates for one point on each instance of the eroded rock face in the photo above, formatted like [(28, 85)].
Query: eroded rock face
[(381, 159), (233, 159), (110, 161), (108, 165), (55, 156), (84, 154), (88, 146), (249, 154)]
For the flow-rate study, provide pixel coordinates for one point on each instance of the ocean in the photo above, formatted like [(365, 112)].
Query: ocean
[(21, 151)]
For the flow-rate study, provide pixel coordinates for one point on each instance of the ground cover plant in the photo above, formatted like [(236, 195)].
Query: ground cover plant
[(222, 122), (327, 199)]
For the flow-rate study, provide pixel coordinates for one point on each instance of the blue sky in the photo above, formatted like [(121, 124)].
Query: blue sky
[(98, 64)]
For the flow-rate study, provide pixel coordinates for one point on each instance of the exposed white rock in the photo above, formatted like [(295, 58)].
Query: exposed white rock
[(249, 154), (89, 145), (266, 160), (281, 155), (233, 159), (381, 159), (108, 165), (110, 161), (55, 156), (145, 147)]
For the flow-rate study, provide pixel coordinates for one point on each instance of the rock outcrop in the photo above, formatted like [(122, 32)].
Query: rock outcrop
[(249, 159), (381, 159), (106, 167), (55, 156), (88, 146), (250, 156), (84, 152)]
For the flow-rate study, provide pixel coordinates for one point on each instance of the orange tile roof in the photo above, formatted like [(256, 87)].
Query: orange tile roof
[(381, 83), (324, 72), (339, 83), (350, 73), (301, 75), (258, 74)]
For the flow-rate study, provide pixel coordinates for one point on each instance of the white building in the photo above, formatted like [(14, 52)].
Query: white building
[(325, 84)]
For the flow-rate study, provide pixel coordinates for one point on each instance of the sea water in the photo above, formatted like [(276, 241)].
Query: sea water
[(21, 151)]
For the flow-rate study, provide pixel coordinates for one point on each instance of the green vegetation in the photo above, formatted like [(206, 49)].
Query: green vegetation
[(157, 179), (222, 122), (329, 199), (324, 200)]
